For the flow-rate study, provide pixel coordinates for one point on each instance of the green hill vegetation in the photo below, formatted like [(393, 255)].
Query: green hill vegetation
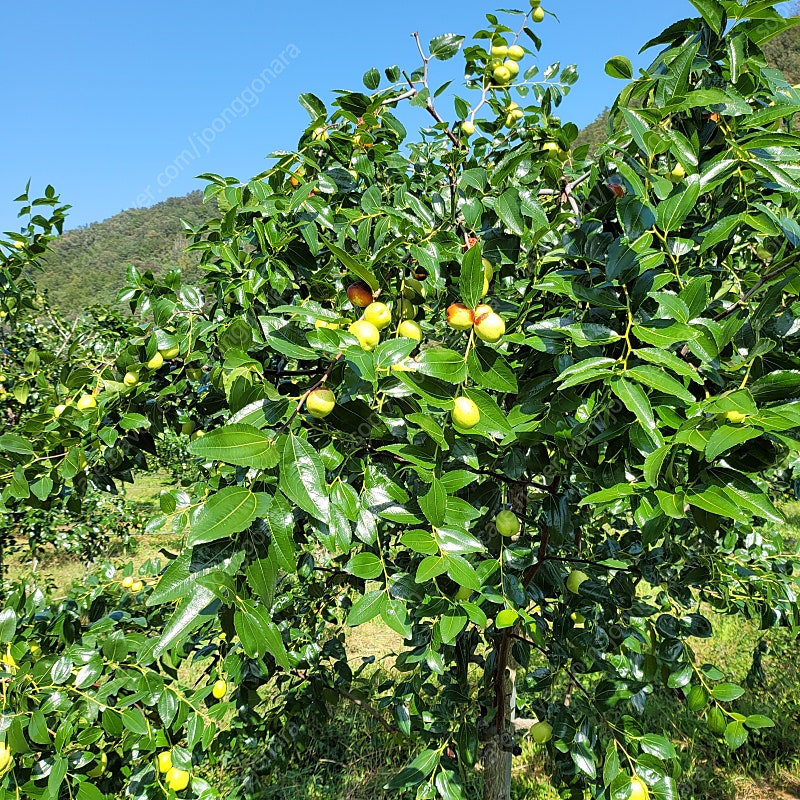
[(88, 264)]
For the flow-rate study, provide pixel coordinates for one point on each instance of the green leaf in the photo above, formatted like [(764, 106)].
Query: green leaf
[(712, 12), (672, 504), (611, 494), (726, 437), (240, 444), (493, 421), (446, 365), (671, 213), (302, 477), (445, 46), (186, 618), (8, 625), (352, 264), (396, 617), (416, 772), (280, 520), (664, 333), (659, 380), (434, 503), (489, 369), (759, 721), (610, 763), (259, 634), (725, 692), (586, 371), (58, 772), (670, 361), (508, 209), (716, 501), (225, 513), (11, 443), (619, 67), (657, 746), (372, 79), (653, 464), (180, 579), (392, 351), (451, 624), (315, 107), (135, 721), (634, 399), (365, 565), (458, 541), (462, 572), (88, 791), (429, 568), (262, 577), (420, 542), (470, 281), (735, 734), (367, 607)]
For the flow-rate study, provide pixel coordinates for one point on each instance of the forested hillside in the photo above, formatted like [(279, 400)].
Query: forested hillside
[(88, 264)]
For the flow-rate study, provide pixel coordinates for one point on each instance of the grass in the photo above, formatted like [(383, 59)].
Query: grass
[(59, 570), (769, 763)]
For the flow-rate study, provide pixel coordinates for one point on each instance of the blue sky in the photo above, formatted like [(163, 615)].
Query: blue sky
[(105, 99)]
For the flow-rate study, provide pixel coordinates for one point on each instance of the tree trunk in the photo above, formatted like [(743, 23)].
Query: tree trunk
[(497, 752), (496, 771)]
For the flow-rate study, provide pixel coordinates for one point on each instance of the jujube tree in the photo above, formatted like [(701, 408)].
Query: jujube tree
[(514, 400)]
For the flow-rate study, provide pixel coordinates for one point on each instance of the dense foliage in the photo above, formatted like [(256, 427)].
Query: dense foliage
[(782, 52), (522, 405)]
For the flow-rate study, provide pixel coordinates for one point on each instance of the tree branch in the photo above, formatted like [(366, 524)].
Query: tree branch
[(301, 402), (787, 262)]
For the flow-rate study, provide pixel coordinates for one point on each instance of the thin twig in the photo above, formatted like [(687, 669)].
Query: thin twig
[(373, 712), (301, 402), (784, 266)]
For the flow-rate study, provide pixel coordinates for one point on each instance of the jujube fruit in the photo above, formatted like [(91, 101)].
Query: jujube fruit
[(359, 294), (460, 317), (85, 402), (320, 403), (164, 761), (542, 732), (575, 579), (367, 334), (466, 413), (177, 779), (507, 523), (378, 314), (490, 327), (410, 330)]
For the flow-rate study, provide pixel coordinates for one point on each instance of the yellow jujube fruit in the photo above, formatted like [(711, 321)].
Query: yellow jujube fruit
[(6, 758), (177, 779), (367, 334), (466, 413)]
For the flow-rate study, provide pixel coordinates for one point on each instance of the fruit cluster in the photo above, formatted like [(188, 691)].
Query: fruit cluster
[(505, 58)]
